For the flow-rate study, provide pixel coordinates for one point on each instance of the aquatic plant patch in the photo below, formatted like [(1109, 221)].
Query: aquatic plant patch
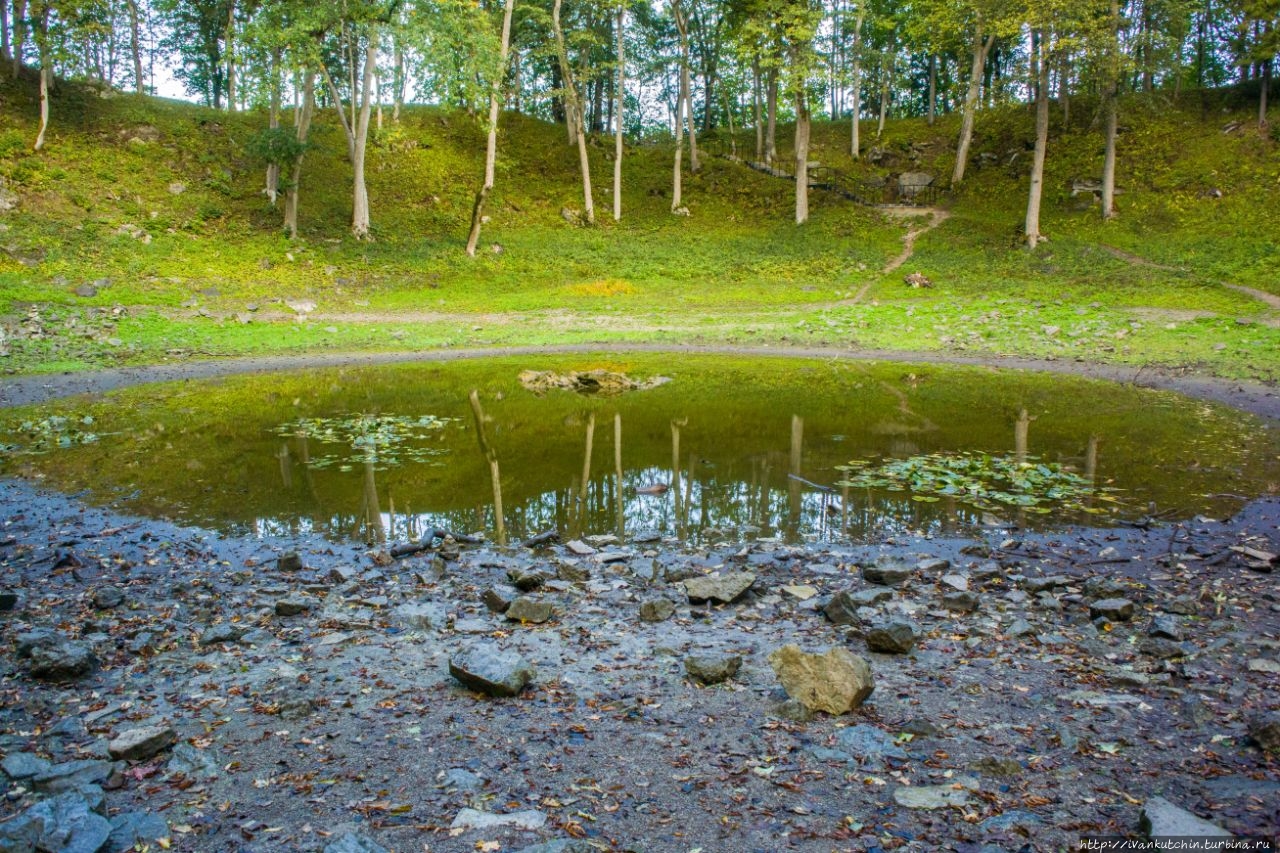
[(383, 441)]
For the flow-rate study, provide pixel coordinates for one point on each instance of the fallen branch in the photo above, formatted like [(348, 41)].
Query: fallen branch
[(542, 538), (427, 541)]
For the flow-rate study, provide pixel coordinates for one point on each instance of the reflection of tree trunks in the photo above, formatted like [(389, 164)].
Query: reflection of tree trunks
[(1020, 433), (844, 511), (617, 474), (675, 470), (492, 456), (372, 512), (688, 490), (762, 506), (794, 487), (1091, 459), (586, 469)]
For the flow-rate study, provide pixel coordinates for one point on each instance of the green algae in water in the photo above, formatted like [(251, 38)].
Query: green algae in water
[(736, 447)]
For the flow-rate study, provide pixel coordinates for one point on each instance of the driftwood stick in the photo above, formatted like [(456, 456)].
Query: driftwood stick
[(428, 541), (542, 538)]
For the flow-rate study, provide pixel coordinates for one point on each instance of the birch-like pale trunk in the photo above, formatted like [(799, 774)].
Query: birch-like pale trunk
[(302, 127), (802, 156), (1042, 144), (685, 95), (273, 121), (676, 172), (617, 129), (135, 47), (1112, 118), (981, 47), (755, 105), (46, 75), (360, 194), (336, 97), (933, 88), (771, 127), (573, 109), (855, 142), (231, 57), (491, 144)]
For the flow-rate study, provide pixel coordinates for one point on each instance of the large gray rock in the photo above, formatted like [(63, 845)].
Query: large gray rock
[(887, 572), (836, 681), (492, 671), (530, 610), (61, 660), (931, 797), (1115, 609), (841, 609), (141, 744), (657, 610), (561, 845), (71, 775), (131, 829), (23, 765), (108, 597), (1161, 818), (712, 669), (353, 842), (895, 637), (528, 819), (1265, 731), (191, 761), (723, 589), (62, 824), (910, 184)]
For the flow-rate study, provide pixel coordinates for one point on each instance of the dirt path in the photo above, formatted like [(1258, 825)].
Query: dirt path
[(1251, 397), (1269, 299), (936, 217)]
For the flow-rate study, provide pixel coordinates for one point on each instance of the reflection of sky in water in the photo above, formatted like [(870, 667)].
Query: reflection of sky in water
[(704, 507)]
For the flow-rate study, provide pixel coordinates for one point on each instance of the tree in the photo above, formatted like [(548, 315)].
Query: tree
[(573, 109), (491, 146)]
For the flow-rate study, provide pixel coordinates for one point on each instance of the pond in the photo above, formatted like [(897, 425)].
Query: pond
[(718, 447)]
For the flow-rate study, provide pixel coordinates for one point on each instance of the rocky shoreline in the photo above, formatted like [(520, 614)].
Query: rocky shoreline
[(180, 690)]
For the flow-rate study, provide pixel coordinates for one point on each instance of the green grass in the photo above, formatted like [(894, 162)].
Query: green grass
[(1197, 203)]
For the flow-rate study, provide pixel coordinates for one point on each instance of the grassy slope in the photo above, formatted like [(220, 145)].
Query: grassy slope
[(736, 270)]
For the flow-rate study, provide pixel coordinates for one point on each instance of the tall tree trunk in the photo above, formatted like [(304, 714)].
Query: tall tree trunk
[(573, 108), (802, 155), (886, 78), (933, 88), (677, 170), (19, 33), (46, 75), (771, 127), (231, 57), (273, 121), (398, 82), (755, 105), (686, 87), (360, 195), (1262, 94), (981, 47), (1042, 144), (6, 46), (619, 92), (491, 144), (336, 97), (302, 126), (1064, 87), (135, 47), (855, 85), (1113, 90)]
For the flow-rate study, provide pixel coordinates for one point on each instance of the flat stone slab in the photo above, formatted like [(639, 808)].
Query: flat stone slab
[(931, 797), (1161, 818), (723, 589), (475, 819), (141, 744), (491, 671)]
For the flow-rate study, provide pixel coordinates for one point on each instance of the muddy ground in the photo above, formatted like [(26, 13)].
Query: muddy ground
[(341, 721)]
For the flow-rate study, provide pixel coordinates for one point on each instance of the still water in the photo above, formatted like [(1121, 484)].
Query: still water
[(728, 447)]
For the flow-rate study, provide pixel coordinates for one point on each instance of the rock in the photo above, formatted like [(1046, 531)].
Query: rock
[(8, 600), (886, 572), (8, 198), (61, 660), (917, 280), (354, 842), (1166, 627), (920, 727), (836, 681), (657, 609), (342, 574), (993, 766), (1163, 649), (931, 797), (108, 597), (498, 598), (475, 819), (1044, 584), (960, 602), (141, 744), (1020, 628), (191, 761), (223, 633), (841, 609), (723, 589), (1115, 609), (1264, 729), (71, 775), (910, 184), (292, 606), (1015, 820), (526, 580), (712, 669), (933, 565), (177, 188), (896, 637), (1161, 819), (290, 561), (131, 829), (489, 670), (461, 779), (1266, 665), (421, 616), (530, 610), (23, 765), (793, 710), (868, 745), (65, 824), (580, 548)]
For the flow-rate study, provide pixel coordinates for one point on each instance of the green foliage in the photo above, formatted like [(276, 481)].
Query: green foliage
[(276, 145), (382, 441)]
